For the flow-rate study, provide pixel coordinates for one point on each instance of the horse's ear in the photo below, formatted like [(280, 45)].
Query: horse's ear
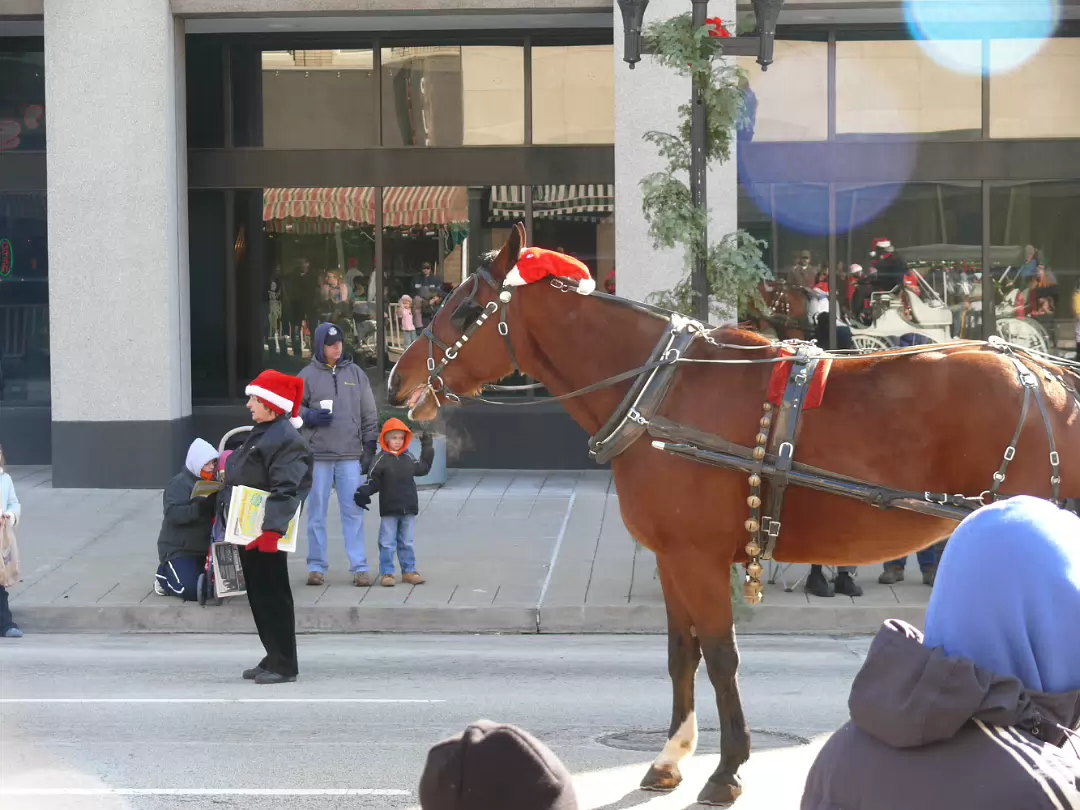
[(508, 256)]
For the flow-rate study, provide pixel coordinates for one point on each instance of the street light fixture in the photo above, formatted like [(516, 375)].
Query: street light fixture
[(766, 13), (633, 16)]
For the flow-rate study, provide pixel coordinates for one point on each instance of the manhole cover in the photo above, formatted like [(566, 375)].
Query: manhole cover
[(708, 740)]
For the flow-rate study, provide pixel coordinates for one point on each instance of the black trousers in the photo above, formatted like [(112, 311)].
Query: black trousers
[(6, 620), (271, 600)]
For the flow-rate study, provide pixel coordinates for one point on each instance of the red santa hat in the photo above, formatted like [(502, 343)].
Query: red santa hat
[(280, 393), (536, 264), (880, 247)]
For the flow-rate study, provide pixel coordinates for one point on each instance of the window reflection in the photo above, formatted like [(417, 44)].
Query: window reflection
[(573, 94), (1037, 245), (789, 101), (446, 95), (24, 298), (22, 101), (433, 240), (926, 287), (894, 86), (313, 262), (1039, 98), (304, 99)]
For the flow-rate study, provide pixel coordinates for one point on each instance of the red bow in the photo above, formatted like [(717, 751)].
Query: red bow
[(717, 30)]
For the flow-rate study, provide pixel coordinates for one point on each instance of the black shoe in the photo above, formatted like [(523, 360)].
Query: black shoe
[(816, 584), (264, 678), (253, 673), (846, 585)]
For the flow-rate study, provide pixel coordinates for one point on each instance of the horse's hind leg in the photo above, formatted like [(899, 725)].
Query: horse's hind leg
[(684, 656)]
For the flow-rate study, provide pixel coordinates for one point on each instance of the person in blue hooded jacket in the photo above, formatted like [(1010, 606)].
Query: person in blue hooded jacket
[(982, 710), (343, 439)]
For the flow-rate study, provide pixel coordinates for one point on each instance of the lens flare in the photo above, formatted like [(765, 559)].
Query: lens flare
[(1017, 31)]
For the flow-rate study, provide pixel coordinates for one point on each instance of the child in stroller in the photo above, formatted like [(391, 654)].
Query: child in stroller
[(206, 589)]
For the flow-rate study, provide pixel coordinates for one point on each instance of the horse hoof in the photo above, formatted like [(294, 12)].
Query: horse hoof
[(664, 779), (720, 794)]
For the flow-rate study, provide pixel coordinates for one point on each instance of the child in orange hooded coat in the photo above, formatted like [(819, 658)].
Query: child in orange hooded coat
[(393, 475)]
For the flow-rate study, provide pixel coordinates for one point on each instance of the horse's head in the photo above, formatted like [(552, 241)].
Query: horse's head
[(462, 348)]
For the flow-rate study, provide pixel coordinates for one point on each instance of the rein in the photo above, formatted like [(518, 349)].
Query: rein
[(668, 357)]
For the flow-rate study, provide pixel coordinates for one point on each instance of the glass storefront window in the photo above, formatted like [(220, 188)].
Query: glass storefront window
[(793, 218), (789, 101), (573, 94), (433, 239), (1038, 98), (935, 229), (22, 101), (304, 99), (895, 86), (24, 298), (312, 261), (1034, 237), (446, 95)]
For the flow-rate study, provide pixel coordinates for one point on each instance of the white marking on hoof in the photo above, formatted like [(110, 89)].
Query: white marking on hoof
[(680, 746)]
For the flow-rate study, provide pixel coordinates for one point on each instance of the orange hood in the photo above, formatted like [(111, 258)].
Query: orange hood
[(390, 426)]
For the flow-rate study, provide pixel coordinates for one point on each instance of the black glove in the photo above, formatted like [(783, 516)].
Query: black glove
[(207, 505), (425, 439), (367, 457), (318, 417), (362, 498)]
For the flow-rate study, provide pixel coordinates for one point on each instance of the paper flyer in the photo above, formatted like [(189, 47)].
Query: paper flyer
[(246, 509)]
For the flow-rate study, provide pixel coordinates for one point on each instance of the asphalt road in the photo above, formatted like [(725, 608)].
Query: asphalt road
[(149, 722)]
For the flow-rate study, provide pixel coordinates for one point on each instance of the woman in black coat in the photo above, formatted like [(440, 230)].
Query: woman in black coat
[(276, 459)]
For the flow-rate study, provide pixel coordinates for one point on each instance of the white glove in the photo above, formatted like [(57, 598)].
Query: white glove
[(10, 516)]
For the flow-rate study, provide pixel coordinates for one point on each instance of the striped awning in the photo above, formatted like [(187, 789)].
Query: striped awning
[(323, 210), (577, 203)]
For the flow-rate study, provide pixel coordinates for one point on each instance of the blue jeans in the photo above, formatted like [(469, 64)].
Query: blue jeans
[(346, 477), (928, 558), (397, 532)]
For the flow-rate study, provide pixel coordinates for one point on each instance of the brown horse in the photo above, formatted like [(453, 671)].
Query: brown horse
[(785, 311), (935, 420)]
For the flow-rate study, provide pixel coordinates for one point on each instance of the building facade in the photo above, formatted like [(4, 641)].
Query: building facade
[(183, 196)]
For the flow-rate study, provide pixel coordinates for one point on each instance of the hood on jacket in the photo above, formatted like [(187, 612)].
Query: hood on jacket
[(318, 342), (199, 453), (908, 694), (1023, 626), (390, 426)]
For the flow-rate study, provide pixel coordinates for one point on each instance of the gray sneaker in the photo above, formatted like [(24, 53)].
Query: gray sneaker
[(13, 632), (158, 589), (891, 575)]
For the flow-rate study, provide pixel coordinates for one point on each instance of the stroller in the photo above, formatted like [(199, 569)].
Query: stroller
[(206, 590)]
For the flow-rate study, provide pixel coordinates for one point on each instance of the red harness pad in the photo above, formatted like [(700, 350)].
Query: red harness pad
[(782, 371)]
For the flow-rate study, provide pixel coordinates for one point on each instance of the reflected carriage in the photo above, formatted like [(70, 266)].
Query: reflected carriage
[(944, 307)]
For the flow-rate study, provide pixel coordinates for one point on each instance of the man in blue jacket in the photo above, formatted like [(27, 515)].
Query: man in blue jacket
[(343, 438)]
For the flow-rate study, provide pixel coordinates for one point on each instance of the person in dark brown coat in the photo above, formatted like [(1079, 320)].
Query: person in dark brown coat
[(493, 766), (982, 712)]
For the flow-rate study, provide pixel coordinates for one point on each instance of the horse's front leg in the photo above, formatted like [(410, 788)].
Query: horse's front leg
[(684, 656), (722, 663)]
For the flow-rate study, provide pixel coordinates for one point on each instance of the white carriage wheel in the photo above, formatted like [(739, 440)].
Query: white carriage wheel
[(1021, 333), (870, 343)]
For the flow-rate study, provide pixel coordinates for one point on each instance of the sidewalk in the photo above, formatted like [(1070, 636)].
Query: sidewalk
[(487, 542)]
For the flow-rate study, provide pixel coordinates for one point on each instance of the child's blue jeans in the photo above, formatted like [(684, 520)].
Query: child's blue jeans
[(397, 532)]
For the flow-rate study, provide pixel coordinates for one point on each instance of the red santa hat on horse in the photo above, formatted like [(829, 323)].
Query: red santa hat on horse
[(537, 264)]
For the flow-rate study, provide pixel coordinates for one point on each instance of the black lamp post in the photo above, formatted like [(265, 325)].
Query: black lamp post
[(766, 13)]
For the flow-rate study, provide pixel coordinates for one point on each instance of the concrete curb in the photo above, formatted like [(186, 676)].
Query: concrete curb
[(188, 617)]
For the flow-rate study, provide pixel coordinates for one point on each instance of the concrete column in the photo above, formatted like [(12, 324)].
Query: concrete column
[(118, 255), (647, 98)]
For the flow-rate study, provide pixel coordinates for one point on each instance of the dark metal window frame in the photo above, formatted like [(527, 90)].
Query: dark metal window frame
[(230, 168)]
